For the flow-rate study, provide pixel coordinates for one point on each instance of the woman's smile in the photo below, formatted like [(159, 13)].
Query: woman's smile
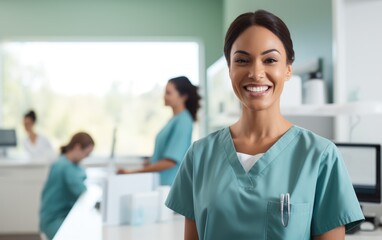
[(257, 90)]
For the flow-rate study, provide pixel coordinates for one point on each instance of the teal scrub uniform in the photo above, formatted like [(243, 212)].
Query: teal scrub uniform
[(227, 203), (64, 185), (172, 143)]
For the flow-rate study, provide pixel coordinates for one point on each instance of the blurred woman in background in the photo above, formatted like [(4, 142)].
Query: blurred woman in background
[(65, 183), (175, 137), (36, 145)]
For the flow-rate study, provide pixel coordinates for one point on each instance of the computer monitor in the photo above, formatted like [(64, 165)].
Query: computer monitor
[(363, 162), (7, 139)]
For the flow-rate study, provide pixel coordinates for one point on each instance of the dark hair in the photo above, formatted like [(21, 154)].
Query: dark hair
[(81, 138), (185, 87), (32, 115), (259, 18)]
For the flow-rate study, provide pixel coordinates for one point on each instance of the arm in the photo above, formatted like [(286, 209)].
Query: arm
[(337, 233), (75, 181), (335, 205), (161, 165), (190, 231)]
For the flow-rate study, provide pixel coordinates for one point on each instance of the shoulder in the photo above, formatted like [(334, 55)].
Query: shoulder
[(211, 140), (59, 164), (181, 122), (317, 146), (312, 140), (63, 162), (184, 116), (42, 138)]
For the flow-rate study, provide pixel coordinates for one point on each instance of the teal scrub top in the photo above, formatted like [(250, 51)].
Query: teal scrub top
[(172, 143), (213, 189), (64, 185)]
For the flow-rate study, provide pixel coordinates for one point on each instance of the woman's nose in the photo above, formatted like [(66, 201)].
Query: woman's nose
[(256, 72)]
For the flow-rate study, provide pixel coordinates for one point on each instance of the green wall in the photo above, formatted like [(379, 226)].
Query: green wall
[(115, 19), (309, 21)]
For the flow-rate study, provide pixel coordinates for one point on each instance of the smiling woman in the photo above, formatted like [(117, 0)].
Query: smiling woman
[(95, 86), (248, 200)]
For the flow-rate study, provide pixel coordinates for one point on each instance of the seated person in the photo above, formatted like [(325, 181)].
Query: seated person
[(36, 145), (65, 183)]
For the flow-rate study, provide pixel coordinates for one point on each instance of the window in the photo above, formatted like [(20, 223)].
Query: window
[(94, 87)]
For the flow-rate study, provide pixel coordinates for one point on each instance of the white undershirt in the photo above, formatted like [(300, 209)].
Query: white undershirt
[(247, 161), (40, 150)]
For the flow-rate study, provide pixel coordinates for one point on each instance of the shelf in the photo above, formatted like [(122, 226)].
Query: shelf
[(351, 108), (326, 110)]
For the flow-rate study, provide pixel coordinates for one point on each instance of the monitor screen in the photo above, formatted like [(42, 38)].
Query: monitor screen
[(363, 162), (8, 138)]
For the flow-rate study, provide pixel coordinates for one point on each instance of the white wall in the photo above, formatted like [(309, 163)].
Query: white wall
[(363, 62), (358, 62)]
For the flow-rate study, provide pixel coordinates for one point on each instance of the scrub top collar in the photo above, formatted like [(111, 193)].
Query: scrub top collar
[(247, 180)]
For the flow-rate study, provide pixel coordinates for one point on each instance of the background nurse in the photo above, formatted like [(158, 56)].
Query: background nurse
[(36, 145), (65, 183), (175, 137)]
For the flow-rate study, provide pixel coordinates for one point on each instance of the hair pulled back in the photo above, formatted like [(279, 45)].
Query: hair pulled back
[(185, 87), (31, 115), (259, 18), (81, 138)]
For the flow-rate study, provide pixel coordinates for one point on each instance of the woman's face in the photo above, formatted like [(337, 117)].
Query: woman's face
[(28, 124), (81, 153), (258, 68), (172, 97)]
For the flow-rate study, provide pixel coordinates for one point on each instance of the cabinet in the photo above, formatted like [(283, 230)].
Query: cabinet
[(21, 188), (21, 185)]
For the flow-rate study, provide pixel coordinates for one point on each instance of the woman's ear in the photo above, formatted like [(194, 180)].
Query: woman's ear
[(289, 72), (184, 98)]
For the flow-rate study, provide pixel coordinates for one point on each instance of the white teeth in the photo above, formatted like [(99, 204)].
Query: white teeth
[(257, 89)]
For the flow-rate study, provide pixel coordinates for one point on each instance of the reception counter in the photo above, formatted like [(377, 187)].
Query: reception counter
[(85, 222), (21, 183)]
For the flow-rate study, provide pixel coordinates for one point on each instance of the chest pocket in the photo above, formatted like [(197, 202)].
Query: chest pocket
[(298, 225)]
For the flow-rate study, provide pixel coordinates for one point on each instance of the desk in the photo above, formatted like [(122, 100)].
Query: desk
[(174, 231), (85, 222), (363, 235), (21, 183), (171, 230)]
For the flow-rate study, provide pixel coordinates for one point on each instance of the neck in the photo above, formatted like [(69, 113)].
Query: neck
[(261, 124), (178, 109), (32, 135), (71, 157)]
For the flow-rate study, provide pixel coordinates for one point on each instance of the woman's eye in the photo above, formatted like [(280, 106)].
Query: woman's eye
[(241, 60), (270, 60)]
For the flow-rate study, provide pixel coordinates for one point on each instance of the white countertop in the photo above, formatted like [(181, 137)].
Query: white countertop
[(85, 222), (364, 235), (89, 162), (170, 230)]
